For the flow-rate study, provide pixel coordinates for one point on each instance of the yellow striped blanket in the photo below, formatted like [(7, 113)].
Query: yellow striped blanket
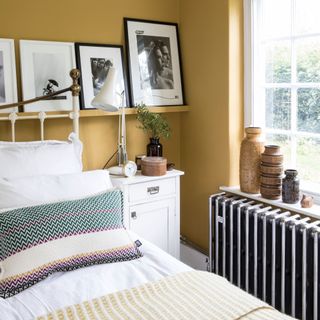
[(189, 295)]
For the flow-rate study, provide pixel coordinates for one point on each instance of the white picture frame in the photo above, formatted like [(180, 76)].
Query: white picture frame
[(152, 82), (8, 76), (45, 68), (93, 61)]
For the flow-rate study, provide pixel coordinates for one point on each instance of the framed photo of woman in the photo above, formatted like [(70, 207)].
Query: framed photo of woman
[(154, 62), (94, 61)]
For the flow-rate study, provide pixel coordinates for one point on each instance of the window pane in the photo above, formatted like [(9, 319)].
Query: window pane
[(278, 102), (308, 164), (276, 18), (308, 60), (284, 142), (309, 110), (307, 16), (278, 62)]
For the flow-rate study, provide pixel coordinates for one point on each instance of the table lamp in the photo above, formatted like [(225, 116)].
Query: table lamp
[(106, 100)]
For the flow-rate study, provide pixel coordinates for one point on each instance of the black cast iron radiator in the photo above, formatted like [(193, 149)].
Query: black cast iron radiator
[(271, 254)]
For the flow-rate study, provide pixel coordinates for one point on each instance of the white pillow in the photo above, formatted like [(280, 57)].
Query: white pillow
[(30, 191), (23, 159)]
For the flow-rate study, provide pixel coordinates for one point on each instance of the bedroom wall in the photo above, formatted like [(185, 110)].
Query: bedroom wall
[(96, 21), (205, 141), (211, 37)]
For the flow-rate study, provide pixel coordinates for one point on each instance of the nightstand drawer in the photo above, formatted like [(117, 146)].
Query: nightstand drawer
[(150, 190)]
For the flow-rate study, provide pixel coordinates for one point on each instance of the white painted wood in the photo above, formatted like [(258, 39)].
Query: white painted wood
[(248, 64), (155, 221), (155, 215), (146, 191)]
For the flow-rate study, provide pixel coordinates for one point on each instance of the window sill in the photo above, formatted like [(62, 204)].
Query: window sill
[(311, 189), (313, 212)]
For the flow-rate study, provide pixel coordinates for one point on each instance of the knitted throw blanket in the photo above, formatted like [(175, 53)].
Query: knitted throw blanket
[(193, 295)]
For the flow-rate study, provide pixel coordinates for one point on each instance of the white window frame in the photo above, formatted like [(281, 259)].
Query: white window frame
[(252, 119)]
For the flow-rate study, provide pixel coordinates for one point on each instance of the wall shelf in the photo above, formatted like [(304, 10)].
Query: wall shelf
[(100, 113)]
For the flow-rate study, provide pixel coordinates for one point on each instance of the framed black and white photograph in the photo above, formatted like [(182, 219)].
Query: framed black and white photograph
[(8, 78), (45, 68), (154, 62), (94, 62)]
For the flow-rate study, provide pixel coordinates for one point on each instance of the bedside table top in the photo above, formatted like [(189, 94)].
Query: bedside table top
[(138, 178)]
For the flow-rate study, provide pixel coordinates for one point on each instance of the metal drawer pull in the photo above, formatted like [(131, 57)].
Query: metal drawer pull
[(153, 190), (134, 215)]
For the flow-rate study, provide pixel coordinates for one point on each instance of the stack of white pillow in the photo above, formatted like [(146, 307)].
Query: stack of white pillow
[(39, 172)]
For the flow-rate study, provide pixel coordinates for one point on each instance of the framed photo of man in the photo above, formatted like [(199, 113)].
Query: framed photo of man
[(94, 62), (154, 62), (8, 78), (45, 68)]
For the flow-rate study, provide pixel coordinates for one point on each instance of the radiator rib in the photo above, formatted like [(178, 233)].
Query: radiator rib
[(269, 253)]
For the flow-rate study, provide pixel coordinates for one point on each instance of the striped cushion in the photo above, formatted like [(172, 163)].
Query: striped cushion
[(37, 241)]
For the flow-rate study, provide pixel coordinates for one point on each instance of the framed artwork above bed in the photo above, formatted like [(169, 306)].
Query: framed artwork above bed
[(154, 62), (8, 78), (94, 61), (45, 68)]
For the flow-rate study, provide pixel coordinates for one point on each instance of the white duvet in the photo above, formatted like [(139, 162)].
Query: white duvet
[(67, 288)]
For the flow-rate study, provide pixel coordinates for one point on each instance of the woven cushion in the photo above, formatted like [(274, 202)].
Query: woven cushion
[(40, 240)]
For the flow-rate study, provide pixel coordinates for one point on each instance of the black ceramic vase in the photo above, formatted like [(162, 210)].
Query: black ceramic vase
[(154, 148), (290, 187)]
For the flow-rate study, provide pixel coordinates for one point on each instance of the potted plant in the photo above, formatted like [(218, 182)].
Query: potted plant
[(156, 127)]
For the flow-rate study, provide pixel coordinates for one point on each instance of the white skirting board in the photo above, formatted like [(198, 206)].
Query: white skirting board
[(193, 257)]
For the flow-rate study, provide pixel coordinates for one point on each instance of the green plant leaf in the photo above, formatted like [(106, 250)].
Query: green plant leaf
[(153, 123)]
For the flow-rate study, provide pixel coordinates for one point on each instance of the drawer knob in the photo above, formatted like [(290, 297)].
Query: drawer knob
[(153, 190), (133, 215)]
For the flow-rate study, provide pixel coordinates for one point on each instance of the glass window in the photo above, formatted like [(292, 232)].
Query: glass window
[(286, 80)]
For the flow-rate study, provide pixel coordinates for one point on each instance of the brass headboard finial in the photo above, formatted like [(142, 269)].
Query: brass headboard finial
[(75, 88)]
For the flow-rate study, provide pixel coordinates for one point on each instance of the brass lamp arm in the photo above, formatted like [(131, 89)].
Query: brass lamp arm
[(75, 88)]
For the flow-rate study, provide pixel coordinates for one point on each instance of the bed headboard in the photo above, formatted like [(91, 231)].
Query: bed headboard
[(13, 117)]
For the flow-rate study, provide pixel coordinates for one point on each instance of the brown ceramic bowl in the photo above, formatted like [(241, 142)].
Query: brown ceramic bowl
[(270, 180), (272, 159), (272, 150), (271, 170)]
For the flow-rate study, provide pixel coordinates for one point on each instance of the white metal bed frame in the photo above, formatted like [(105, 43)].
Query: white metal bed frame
[(13, 117), (74, 115)]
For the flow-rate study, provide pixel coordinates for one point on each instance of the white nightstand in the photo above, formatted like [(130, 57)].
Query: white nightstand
[(152, 208)]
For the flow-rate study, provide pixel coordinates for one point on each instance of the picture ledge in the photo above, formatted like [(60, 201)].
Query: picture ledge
[(98, 113)]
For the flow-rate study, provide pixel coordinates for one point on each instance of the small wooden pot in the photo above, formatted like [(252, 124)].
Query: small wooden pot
[(270, 192), (272, 159), (153, 166), (270, 180), (271, 170)]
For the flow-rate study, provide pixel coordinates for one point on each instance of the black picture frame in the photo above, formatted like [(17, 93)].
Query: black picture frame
[(154, 62), (93, 60)]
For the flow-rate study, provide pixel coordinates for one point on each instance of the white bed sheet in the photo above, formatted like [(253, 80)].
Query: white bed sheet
[(67, 288)]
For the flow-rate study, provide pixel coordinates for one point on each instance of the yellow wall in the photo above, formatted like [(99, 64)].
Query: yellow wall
[(97, 21), (205, 141), (211, 37)]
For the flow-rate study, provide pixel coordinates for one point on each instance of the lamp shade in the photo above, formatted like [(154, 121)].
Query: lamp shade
[(106, 98)]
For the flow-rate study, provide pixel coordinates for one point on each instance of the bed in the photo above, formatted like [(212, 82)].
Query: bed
[(65, 254)]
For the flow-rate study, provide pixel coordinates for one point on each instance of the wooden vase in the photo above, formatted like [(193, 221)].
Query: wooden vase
[(271, 172), (250, 158)]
